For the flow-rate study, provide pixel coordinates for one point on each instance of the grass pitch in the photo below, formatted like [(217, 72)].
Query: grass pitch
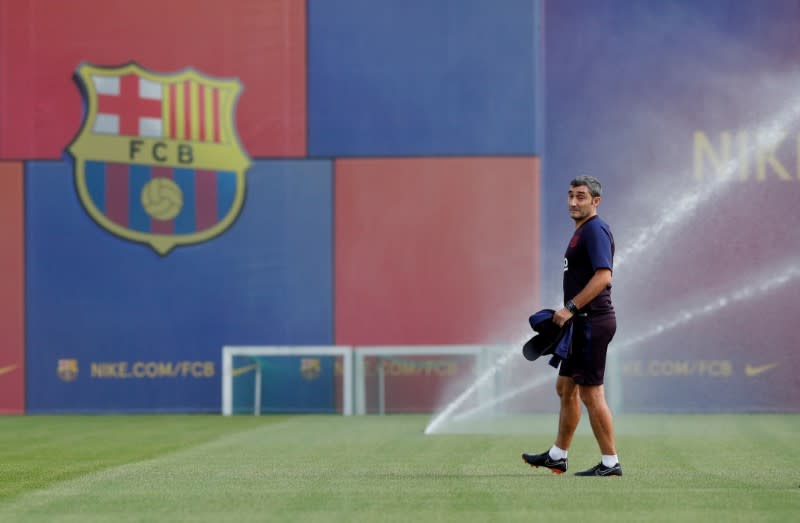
[(332, 468)]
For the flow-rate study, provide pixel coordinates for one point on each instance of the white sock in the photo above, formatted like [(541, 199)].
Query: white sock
[(557, 452), (609, 460)]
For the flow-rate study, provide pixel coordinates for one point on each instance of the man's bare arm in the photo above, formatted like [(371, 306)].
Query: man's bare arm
[(600, 280)]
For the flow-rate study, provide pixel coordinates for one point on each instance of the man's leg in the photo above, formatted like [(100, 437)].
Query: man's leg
[(556, 458), (593, 396), (570, 412)]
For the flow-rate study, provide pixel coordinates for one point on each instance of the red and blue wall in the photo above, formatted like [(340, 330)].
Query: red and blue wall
[(393, 195), (408, 167)]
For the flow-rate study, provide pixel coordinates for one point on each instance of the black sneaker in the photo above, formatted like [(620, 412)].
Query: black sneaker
[(558, 466), (601, 470)]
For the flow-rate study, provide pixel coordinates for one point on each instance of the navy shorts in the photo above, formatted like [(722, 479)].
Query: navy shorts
[(586, 363)]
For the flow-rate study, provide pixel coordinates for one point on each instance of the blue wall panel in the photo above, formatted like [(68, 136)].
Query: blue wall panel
[(93, 298), (414, 77)]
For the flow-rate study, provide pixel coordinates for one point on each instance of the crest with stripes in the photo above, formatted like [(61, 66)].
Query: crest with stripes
[(158, 159)]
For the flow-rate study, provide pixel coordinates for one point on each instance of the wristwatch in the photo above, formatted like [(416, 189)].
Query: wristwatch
[(571, 307)]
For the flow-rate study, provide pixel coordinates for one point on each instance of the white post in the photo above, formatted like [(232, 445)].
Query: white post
[(358, 376), (381, 387), (257, 393), (227, 381), (347, 382)]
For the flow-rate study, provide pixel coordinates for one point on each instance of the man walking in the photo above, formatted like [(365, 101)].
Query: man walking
[(588, 264)]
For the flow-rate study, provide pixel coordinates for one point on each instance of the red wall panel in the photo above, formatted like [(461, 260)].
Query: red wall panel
[(12, 284), (435, 250), (42, 42)]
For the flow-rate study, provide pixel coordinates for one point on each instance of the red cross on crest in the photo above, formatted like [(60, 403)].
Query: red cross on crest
[(129, 104)]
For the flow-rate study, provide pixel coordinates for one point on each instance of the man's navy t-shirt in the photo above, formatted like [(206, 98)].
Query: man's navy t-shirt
[(591, 248)]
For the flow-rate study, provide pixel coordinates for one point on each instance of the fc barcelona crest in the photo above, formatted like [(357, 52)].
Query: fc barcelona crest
[(158, 159), (310, 368), (67, 369)]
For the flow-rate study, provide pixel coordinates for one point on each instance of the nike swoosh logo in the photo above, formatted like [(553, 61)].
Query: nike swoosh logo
[(751, 370), (7, 369), (243, 370)]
